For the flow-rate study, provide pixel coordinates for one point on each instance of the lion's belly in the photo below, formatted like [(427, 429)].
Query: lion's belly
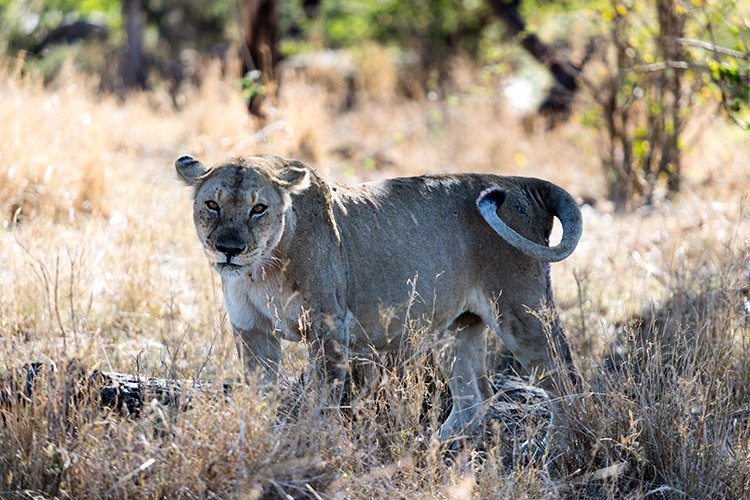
[(386, 316), (395, 289)]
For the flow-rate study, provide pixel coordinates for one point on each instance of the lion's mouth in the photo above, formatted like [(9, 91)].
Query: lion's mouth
[(229, 266), (234, 264)]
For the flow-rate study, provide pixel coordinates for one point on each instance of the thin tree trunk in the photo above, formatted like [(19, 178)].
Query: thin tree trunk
[(260, 47), (671, 29), (133, 74)]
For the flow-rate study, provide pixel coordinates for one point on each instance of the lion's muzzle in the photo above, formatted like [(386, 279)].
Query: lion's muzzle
[(229, 244)]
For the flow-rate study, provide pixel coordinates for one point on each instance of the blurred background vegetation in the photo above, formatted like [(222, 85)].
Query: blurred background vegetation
[(636, 72)]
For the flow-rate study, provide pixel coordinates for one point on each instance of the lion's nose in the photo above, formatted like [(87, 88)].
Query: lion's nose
[(230, 249)]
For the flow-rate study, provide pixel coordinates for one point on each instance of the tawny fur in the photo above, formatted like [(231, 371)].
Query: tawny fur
[(354, 268)]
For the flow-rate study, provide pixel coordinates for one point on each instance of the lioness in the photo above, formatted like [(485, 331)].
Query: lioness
[(347, 267)]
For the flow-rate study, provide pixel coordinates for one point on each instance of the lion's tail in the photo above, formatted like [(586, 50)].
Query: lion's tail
[(558, 202)]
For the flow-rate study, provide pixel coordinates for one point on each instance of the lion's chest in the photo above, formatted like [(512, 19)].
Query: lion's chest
[(261, 305)]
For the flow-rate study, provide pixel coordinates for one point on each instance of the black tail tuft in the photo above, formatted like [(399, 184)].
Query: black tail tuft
[(493, 195), (186, 160)]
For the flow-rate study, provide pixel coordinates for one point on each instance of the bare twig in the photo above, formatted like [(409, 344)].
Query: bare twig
[(662, 66), (141, 468), (713, 48), (266, 131), (282, 494), (40, 269), (57, 301), (313, 492)]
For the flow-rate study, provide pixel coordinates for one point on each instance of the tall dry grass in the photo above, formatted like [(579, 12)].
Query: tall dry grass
[(100, 263)]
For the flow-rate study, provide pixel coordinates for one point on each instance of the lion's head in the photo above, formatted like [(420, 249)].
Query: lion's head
[(240, 207)]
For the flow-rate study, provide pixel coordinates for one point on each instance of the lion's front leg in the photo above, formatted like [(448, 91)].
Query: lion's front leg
[(330, 351), (259, 351)]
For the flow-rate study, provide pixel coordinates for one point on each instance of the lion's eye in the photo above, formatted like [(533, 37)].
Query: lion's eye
[(212, 205), (258, 209)]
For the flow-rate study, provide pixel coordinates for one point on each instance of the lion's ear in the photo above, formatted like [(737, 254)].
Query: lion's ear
[(189, 169), (294, 176)]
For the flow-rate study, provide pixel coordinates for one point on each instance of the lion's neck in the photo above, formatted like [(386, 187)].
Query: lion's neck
[(287, 238)]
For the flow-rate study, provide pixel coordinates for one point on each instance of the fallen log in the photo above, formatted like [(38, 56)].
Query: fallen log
[(130, 391), (120, 391), (518, 419)]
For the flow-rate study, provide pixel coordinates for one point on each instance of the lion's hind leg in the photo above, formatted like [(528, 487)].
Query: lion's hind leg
[(538, 341), (463, 365)]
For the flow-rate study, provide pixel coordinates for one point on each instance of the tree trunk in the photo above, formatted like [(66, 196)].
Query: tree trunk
[(133, 74), (260, 47), (671, 29)]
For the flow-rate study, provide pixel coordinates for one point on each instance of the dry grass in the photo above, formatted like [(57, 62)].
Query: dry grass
[(100, 263)]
